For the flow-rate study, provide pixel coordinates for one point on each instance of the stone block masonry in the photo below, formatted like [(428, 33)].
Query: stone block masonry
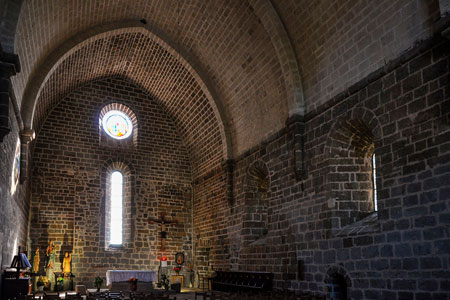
[(69, 189), (401, 113)]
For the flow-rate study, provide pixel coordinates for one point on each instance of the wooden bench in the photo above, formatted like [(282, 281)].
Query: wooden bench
[(242, 281)]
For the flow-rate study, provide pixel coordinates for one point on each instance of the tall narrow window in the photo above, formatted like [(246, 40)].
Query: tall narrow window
[(116, 202), (374, 180), (15, 169)]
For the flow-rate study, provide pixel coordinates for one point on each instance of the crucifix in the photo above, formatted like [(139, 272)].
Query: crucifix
[(162, 221)]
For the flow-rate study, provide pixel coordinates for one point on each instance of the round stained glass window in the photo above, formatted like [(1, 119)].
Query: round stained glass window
[(117, 124)]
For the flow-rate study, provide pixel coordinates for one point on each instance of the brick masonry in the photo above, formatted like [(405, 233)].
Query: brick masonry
[(224, 39), (402, 252), (70, 167)]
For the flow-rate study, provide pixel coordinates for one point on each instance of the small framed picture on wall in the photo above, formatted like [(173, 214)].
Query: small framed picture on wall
[(179, 258)]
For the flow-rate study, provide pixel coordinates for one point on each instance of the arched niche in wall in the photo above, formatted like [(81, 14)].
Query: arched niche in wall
[(338, 283), (349, 182), (255, 211)]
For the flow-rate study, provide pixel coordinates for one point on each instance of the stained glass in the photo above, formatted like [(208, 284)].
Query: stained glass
[(117, 124), (16, 169)]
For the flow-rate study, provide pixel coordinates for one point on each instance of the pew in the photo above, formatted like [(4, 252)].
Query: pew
[(228, 281)]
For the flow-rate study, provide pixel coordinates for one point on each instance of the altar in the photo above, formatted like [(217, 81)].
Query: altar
[(117, 280)]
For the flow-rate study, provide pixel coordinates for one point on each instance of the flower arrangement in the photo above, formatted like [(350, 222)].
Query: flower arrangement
[(60, 281), (133, 283), (177, 269), (41, 281), (132, 280), (98, 282), (164, 282)]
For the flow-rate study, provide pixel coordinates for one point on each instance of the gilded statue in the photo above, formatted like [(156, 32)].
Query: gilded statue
[(66, 263), (36, 261)]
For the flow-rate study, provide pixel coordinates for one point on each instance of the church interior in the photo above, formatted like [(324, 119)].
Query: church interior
[(267, 146)]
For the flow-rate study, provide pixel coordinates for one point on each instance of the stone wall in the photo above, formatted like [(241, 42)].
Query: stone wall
[(315, 230), (308, 229), (69, 183), (14, 207)]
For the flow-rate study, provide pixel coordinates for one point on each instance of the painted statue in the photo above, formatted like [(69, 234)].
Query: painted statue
[(66, 263), (36, 261), (50, 259)]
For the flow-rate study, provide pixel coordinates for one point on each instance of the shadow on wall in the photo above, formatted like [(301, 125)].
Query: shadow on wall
[(65, 247)]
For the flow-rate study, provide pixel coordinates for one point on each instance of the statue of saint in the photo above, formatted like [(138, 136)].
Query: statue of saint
[(36, 261), (50, 255), (66, 263), (50, 259)]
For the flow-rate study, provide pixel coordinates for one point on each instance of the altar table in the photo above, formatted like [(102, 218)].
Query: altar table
[(124, 275)]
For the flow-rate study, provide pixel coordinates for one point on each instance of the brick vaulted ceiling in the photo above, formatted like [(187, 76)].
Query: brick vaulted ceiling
[(211, 64), (244, 57), (132, 54)]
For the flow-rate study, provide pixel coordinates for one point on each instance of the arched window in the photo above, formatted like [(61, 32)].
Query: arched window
[(351, 170), (374, 182), (119, 208), (15, 169), (116, 209)]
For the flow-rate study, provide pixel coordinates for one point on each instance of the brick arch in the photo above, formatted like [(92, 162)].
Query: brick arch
[(192, 84), (274, 26), (119, 163), (338, 270), (364, 116)]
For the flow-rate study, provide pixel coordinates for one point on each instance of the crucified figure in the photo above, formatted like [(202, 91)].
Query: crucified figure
[(162, 221)]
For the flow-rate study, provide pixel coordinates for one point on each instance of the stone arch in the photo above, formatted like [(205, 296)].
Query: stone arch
[(129, 204), (273, 25), (42, 73), (257, 193), (338, 275), (367, 117), (350, 144)]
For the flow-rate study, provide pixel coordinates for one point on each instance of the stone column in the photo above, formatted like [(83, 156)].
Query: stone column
[(9, 66)]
